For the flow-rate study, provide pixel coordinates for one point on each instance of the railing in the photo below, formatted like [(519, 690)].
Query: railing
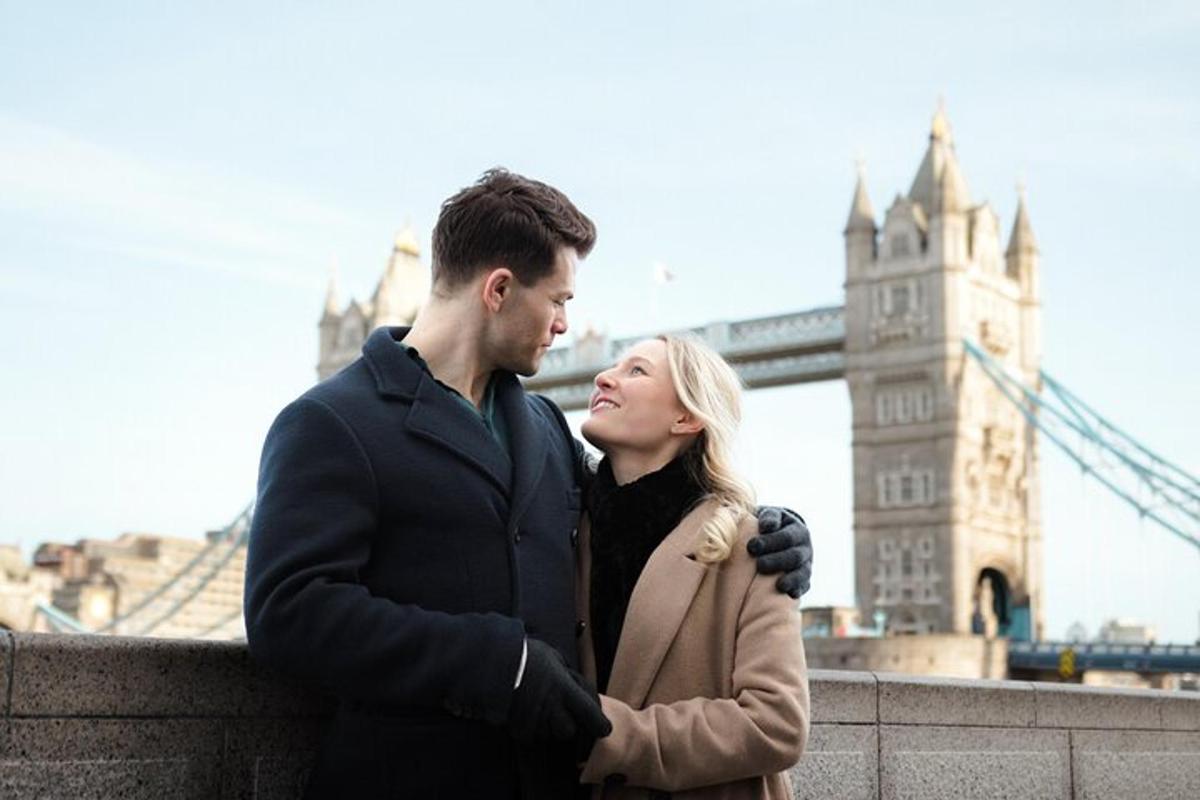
[(1145, 658)]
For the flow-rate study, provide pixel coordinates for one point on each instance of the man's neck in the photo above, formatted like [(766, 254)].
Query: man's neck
[(449, 343)]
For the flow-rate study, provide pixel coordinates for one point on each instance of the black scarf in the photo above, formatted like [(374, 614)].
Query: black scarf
[(628, 523)]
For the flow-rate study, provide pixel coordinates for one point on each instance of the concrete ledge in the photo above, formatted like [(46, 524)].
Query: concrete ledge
[(916, 700), (847, 697), (1070, 706), (100, 717), (72, 676)]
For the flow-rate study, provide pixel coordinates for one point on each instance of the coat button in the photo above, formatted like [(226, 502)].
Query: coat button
[(574, 536), (517, 537), (580, 627)]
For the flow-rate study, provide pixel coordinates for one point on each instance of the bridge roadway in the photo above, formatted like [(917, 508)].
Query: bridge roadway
[(801, 347)]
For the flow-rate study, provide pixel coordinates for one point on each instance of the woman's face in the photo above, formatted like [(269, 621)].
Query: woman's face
[(634, 405)]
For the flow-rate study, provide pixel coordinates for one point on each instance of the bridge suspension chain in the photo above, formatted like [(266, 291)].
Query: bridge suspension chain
[(1174, 493)]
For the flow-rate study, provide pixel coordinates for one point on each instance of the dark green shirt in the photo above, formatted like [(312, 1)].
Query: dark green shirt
[(488, 412)]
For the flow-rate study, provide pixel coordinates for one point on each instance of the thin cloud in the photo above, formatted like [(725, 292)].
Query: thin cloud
[(183, 213)]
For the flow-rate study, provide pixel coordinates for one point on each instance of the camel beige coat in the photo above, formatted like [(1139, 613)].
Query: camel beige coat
[(709, 692)]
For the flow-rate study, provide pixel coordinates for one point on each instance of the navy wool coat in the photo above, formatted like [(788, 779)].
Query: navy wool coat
[(398, 558)]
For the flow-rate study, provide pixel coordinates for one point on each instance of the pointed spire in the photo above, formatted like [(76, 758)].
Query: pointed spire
[(862, 216), (949, 199), (406, 241), (939, 129), (931, 180), (1021, 239), (332, 301)]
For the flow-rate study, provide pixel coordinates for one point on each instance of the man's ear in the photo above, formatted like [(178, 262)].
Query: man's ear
[(497, 287), (686, 424)]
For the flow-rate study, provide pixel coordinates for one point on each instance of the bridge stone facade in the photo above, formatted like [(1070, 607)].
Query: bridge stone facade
[(946, 510)]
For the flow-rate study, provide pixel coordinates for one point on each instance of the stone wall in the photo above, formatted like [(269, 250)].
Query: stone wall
[(953, 655), (101, 717)]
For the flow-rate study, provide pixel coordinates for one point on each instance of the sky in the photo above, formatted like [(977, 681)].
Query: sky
[(177, 185)]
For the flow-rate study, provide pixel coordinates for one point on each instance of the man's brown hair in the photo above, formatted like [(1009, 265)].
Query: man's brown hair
[(508, 220)]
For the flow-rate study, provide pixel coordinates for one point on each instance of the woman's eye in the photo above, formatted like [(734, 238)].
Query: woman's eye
[(636, 371)]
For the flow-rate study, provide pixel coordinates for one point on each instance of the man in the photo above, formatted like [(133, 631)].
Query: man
[(412, 549)]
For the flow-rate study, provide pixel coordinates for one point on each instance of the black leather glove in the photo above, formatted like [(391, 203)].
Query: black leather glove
[(783, 545), (553, 701), (585, 740)]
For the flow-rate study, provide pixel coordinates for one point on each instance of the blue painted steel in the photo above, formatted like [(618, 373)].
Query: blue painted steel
[(1173, 492), (1044, 656)]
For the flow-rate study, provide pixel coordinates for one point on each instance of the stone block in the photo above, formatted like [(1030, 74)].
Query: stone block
[(955, 762), (919, 700), (269, 759), (1148, 765), (1181, 711), (138, 759), (841, 762), (1063, 705), (73, 675), (839, 696)]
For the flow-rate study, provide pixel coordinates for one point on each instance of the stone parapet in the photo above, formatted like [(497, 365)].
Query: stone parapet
[(99, 717)]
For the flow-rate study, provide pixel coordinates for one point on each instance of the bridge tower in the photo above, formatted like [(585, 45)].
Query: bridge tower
[(397, 298), (947, 526)]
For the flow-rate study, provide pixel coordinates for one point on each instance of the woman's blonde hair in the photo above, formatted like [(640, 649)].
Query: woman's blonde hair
[(712, 392)]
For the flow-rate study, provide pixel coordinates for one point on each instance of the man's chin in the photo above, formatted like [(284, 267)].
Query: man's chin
[(525, 369)]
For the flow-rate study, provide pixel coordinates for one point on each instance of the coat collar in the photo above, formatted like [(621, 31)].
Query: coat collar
[(446, 421), (657, 607), (395, 373)]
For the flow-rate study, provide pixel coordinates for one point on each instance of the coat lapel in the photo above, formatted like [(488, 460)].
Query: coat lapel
[(445, 421), (528, 442), (433, 416), (660, 600)]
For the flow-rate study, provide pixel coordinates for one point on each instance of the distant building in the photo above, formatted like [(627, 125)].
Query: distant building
[(144, 584), (1126, 631), (22, 587)]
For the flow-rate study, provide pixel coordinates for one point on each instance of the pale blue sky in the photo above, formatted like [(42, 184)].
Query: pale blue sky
[(175, 185)]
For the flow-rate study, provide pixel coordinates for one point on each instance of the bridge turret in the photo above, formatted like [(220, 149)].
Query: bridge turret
[(860, 232), (1021, 258), (331, 319), (404, 284), (1022, 252), (941, 191)]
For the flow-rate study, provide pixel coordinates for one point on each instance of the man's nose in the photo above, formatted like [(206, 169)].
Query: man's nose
[(560, 324)]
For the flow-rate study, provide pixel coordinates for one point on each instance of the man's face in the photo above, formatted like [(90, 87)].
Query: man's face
[(533, 315)]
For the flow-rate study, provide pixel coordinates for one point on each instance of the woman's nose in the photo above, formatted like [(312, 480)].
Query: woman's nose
[(605, 381)]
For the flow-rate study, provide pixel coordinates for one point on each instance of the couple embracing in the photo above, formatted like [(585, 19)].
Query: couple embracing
[(497, 615)]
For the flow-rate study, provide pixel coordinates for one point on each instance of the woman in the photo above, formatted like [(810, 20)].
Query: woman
[(698, 659)]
